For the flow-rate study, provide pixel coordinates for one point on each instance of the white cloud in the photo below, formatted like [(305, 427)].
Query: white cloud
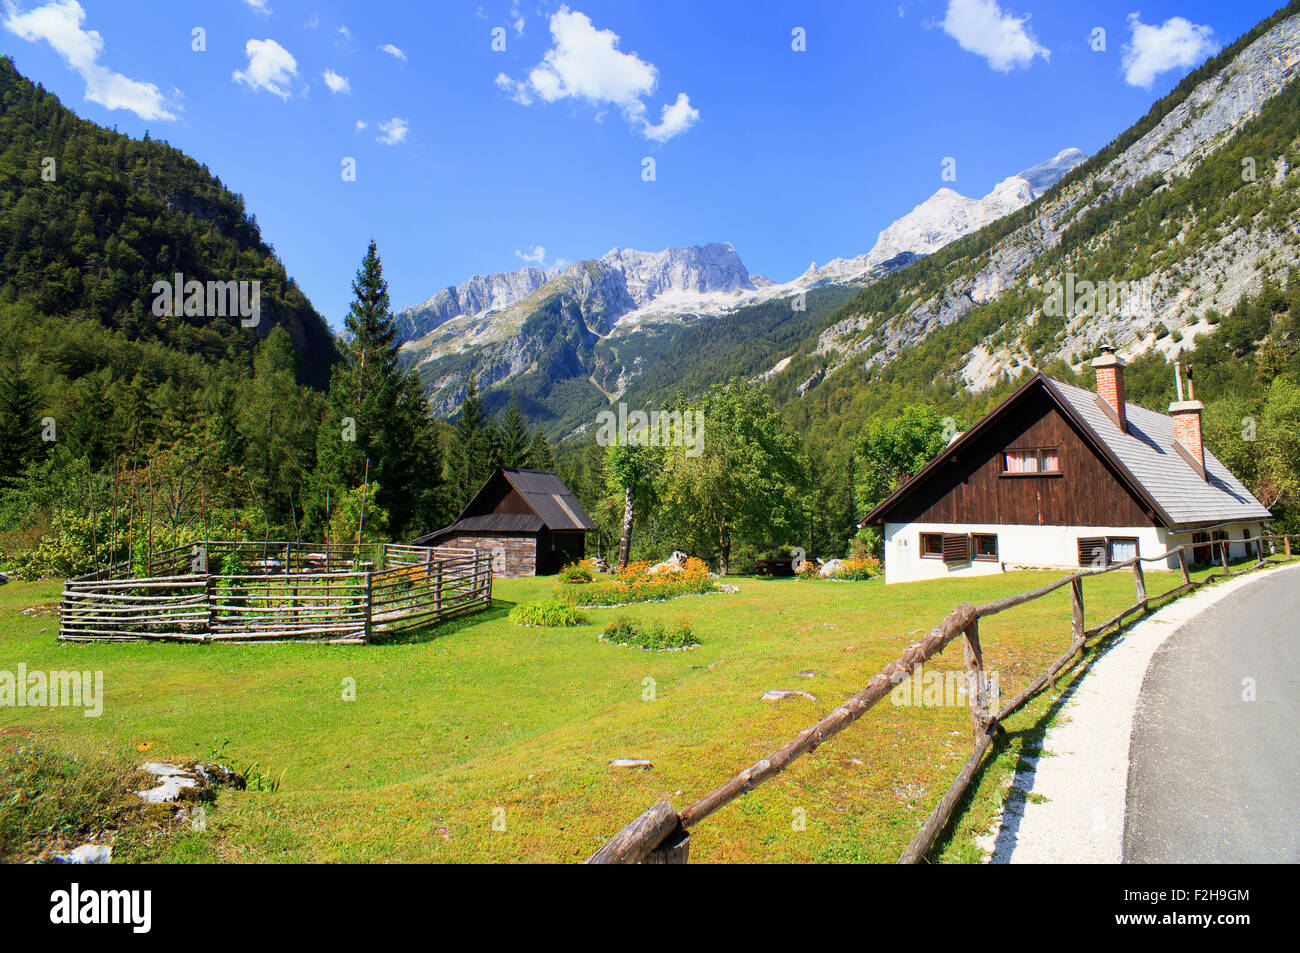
[(361, 124), (586, 63), (517, 18), (345, 39), (981, 27), (59, 24), (393, 51), (394, 131), (1176, 44), (674, 120), (536, 254), (259, 6), (270, 67), (336, 83)]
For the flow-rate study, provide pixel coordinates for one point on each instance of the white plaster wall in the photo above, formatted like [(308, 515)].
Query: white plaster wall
[(1019, 547), (1236, 547)]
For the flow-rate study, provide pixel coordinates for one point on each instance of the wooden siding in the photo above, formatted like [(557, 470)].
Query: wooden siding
[(512, 556), (970, 488), (499, 497)]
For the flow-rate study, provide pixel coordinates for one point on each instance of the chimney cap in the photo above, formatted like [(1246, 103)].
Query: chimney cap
[(1108, 357)]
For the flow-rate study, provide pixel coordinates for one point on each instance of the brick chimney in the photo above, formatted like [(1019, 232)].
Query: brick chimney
[(1110, 384), (1187, 422)]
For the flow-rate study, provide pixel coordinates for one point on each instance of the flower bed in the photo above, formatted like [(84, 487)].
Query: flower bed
[(637, 584), (653, 637)]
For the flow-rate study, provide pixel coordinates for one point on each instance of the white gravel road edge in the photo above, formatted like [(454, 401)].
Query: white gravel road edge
[(1072, 807)]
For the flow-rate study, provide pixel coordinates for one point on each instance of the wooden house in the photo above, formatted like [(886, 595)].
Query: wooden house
[(1060, 477), (528, 520)]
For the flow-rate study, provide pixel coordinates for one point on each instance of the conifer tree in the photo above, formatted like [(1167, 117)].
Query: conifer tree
[(20, 438), (377, 413), (512, 437)]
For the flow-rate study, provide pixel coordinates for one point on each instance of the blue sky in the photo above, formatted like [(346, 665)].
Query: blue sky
[(472, 159)]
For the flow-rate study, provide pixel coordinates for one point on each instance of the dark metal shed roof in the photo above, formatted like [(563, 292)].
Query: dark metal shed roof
[(554, 507)]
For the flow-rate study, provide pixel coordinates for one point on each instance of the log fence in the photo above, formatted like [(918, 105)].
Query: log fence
[(275, 591), (662, 834)]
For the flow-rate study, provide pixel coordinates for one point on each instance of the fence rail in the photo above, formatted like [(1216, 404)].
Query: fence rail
[(661, 834), (281, 591)]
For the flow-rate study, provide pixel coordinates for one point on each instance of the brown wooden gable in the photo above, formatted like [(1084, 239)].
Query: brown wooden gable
[(966, 484), (497, 496)]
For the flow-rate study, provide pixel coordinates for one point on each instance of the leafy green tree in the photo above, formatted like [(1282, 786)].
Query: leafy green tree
[(631, 472), (896, 448), (748, 478)]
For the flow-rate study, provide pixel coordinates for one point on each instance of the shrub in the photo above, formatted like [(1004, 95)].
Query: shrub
[(807, 570), (654, 637), (859, 568), (546, 612), (578, 572)]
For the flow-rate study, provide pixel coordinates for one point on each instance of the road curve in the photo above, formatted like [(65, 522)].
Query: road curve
[(1214, 774)]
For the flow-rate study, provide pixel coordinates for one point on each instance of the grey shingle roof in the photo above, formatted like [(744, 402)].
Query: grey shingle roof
[(1147, 451), (549, 498)]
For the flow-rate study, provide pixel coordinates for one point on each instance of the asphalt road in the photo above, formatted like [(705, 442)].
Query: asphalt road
[(1213, 777)]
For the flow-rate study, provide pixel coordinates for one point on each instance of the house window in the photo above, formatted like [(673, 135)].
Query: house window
[(1031, 462), (1098, 552), (984, 546), (950, 547), (1200, 554), (1122, 550)]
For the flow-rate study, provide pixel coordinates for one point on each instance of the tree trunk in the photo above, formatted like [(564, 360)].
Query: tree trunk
[(724, 551), (625, 541)]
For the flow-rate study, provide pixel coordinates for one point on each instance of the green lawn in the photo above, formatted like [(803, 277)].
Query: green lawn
[(484, 719)]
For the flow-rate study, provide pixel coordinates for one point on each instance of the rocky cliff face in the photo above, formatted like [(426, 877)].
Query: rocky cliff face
[(1177, 295)]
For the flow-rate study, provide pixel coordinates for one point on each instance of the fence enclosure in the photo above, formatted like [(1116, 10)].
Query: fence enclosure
[(275, 591), (661, 835)]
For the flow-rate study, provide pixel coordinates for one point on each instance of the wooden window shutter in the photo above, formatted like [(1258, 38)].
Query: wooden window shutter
[(1092, 551), (956, 548)]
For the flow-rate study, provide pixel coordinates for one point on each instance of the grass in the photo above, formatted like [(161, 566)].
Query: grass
[(479, 714)]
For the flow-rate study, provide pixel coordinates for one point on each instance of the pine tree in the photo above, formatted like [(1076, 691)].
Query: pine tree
[(540, 454), (475, 445), (377, 416), (20, 437), (512, 437)]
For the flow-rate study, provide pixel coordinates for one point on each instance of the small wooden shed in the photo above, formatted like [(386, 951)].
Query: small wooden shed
[(528, 520)]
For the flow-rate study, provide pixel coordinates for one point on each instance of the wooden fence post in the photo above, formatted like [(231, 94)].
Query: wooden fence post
[(1287, 547), (1076, 608), (437, 595), (1223, 556), (369, 606), (974, 657), (1140, 584), (1182, 562), (210, 597), (675, 849)]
